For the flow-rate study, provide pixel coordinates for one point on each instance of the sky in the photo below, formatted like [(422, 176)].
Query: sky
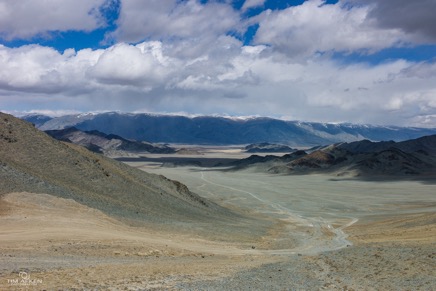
[(358, 61)]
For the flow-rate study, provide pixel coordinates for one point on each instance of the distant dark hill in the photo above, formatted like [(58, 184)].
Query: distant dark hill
[(106, 143), (321, 159), (366, 158), (227, 131), (32, 161), (413, 158), (267, 160), (265, 147), (392, 162), (425, 144)]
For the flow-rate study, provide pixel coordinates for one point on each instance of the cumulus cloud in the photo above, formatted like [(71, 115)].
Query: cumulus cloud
[(39, 69), (317, 27), (172, 19), (124, 64), (28, 67), (243, 80), (413, 17), (27, 18)]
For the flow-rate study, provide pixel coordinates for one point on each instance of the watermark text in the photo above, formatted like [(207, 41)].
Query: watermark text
[(24, 279)]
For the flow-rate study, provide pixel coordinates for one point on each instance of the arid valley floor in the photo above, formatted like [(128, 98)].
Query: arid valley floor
[(322, 234)]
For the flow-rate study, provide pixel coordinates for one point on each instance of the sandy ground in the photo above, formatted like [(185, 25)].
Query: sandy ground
[(385, 240), (62, 244)]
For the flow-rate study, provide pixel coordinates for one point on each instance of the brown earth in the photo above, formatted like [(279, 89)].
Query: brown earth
[(68, 245), (65, 245)]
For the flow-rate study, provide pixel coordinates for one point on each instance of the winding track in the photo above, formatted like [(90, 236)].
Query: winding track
[(317, 242)]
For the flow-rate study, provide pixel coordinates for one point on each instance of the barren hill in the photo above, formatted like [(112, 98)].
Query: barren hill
[(412, 158), (265, 147), (425, 144), (108, 144), (390, 162), (32, 161)]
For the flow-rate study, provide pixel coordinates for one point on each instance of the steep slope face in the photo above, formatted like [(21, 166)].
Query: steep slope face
[(32, 161), (392, 162), (106, 143), (219, 130)]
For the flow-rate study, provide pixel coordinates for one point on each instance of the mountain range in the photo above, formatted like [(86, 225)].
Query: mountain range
[(224, 131)]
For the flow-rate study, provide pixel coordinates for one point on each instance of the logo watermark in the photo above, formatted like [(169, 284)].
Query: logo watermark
[(24, 279)]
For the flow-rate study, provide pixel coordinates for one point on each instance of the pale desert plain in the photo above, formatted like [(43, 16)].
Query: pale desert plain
[(307, 232)]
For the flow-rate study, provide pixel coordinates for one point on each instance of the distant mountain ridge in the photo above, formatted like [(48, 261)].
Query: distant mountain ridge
[(97, 141), (425, 143), (412, 158), (265, 147), (226, 131)]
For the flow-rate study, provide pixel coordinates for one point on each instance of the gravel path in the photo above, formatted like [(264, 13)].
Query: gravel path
[(369, 267)]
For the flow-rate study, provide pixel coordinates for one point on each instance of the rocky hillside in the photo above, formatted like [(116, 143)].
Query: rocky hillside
[(413, 158), (267, 161), (425, 144), (108, 144), (227, 131), (32, 161)]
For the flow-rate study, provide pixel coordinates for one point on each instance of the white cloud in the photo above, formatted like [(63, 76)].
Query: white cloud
[(26, 68), (28, 18), (122, 64), (252, 3), (44, 70), (172, 19), (301, 31), (239, 80)]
